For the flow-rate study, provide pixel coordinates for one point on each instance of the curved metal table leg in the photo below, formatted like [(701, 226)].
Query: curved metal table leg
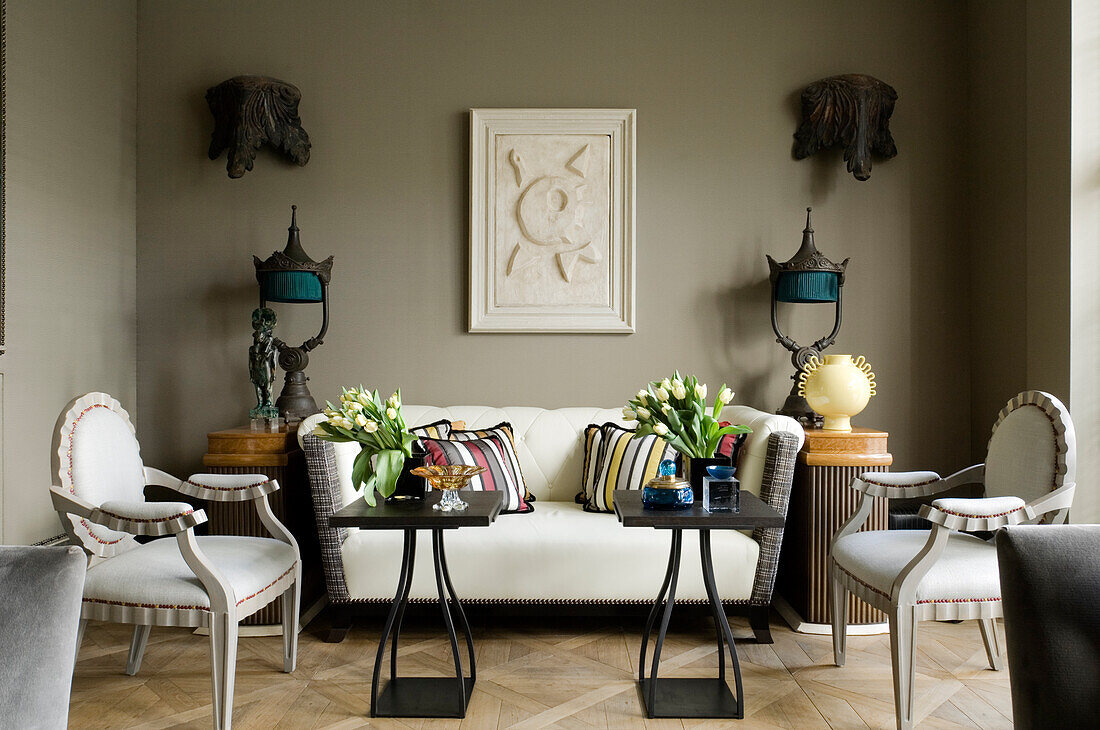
[(650, 687), (722, 624), (437, 550), (458, 608), (673, 566), (399, 599), (402, 605)]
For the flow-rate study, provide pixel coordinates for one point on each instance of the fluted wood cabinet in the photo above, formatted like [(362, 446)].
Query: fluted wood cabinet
[(821, 500), (277, 455)]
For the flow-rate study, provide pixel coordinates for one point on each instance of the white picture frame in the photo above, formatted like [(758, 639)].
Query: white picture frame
[(552, 201)]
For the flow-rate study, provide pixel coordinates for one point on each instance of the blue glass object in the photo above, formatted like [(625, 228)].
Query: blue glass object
[(720, 472), (665, 491)]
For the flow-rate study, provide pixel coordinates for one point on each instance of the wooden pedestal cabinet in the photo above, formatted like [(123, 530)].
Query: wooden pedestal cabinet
[(276, 455), (821, 500)]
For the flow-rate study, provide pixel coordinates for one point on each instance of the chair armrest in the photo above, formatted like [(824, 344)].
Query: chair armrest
[(775, 490), (1058, 500), (148, 518), (158, 478), (227, 487), (136, 518), (899, 484), (988, 513)]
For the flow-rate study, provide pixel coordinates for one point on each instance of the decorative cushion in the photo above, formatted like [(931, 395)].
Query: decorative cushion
[(496, 454), (156, 576), (504, 432), (592, 440), (624, 463), (966, 572), (439, 430), (988, 507)]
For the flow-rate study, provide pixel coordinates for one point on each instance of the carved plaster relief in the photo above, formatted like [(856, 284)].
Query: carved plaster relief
[(552, 220), (552, 198)]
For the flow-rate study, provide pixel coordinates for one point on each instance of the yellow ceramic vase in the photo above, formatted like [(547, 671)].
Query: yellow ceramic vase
[(837, 388)]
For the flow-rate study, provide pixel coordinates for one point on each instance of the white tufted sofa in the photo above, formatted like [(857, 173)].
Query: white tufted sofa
[(558, 553)]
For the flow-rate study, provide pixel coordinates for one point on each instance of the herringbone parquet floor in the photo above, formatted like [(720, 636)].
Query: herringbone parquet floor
[(537, 672)]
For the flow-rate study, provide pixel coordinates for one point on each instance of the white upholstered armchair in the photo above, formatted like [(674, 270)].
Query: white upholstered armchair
[(944, 573), (210, 581)]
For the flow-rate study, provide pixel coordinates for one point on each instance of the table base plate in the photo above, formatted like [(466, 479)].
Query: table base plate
[(421, 697), (698, 698)]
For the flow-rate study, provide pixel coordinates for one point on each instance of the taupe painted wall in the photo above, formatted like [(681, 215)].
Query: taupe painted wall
[(386, 88), (70, 310)]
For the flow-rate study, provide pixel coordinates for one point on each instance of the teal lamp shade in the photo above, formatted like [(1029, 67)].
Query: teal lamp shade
[(292, 287), (807, 287)]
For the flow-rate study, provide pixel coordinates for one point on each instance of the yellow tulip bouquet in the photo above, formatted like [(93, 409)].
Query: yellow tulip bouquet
[(676, 410), (380, 430)]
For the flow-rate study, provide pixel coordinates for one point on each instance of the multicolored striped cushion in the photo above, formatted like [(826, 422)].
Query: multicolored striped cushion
[(437, 430), (492, 452), (592, 441), (624, 463), (503, 431)]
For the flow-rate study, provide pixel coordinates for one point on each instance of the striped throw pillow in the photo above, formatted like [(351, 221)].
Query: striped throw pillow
[(503, 431), (492, 452), (624, 463), (592, 440), (437, 430)]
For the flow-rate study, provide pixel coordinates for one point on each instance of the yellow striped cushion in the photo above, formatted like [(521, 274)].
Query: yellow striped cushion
[(624, 462)]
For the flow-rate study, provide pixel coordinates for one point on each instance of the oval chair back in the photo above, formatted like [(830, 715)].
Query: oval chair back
[(99, 461), (1033, 449)]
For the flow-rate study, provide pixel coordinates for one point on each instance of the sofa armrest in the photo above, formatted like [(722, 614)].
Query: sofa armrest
[(775, 490), (324, 487)]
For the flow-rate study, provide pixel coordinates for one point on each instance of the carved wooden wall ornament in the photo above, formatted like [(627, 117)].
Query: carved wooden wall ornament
[(852, 110), (250, 111)]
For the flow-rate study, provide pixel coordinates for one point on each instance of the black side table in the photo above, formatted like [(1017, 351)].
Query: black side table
[(422, 696), (695, 697)]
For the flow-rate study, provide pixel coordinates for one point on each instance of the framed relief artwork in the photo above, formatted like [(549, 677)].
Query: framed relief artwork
[(552, 220)]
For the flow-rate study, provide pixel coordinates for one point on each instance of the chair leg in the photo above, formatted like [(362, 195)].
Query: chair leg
[(223, 666), (903, 645), (992, 643), (137, 648), (79, 638), (838, 600), (291, 600)]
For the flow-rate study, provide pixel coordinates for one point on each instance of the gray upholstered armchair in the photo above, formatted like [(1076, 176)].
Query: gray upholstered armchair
[(212, 581), (39, 613), (945, 573)]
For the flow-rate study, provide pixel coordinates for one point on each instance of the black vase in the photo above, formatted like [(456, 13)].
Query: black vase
[(410, 487), (695, 469)]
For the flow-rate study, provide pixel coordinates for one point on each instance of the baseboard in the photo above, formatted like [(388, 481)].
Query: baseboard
[(803, 627)]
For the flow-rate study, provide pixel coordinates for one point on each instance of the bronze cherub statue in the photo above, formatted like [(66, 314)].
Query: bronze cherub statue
[(852, 110), (261, 362)]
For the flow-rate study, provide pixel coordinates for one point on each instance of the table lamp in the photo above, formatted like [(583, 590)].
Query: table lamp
[(290, 276), (808, 277)]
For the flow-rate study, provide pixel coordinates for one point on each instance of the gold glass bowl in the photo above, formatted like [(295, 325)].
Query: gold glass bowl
[(448, 479)]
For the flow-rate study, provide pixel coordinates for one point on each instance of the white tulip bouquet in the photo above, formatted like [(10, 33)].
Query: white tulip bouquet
[(675, 409), (379, 429)]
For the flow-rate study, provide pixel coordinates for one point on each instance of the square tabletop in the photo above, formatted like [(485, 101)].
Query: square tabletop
[(418, 514), (754, 513)]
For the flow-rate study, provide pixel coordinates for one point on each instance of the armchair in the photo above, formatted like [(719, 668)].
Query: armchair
[(944, 573), (210, 581)]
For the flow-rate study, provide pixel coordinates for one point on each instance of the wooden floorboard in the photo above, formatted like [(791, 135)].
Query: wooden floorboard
[(576, 673)]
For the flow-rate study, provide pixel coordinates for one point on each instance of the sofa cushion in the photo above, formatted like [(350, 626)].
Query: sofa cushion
[(592, 440), (504, 432), (495, 454), (559, 552), (624, 462), (440, 429)]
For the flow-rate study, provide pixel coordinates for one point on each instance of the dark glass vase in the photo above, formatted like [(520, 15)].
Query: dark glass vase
[(410, 487), (694, 469)]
